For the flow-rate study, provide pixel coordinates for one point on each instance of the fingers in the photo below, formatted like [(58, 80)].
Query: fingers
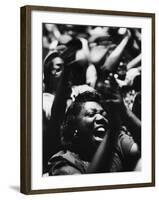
[(113, 82)]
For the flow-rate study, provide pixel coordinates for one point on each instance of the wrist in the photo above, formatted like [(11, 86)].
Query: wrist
[(125, 112)]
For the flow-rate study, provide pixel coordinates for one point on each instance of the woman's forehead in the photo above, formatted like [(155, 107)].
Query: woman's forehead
[(57, 60), (91, 105)]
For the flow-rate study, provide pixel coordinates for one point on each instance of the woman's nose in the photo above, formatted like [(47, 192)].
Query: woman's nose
[(100, 118)]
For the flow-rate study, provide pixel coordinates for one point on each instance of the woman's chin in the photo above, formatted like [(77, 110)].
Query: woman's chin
[(97, 139)]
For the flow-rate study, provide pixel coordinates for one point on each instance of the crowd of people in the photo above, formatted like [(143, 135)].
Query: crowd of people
[(91, 99)]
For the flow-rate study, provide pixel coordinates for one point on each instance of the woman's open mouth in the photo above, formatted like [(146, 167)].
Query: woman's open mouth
[(99, 133)]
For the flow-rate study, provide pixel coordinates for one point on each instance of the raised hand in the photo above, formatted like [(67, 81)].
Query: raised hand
[(68, 55)]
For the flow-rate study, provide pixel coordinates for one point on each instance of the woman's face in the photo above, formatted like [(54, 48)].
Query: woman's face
[(57, 67), (92, 122)]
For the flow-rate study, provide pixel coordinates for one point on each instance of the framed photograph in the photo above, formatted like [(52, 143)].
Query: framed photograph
[(87, 86)]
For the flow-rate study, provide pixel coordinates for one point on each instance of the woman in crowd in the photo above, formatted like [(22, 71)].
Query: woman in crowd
[(94, 136)]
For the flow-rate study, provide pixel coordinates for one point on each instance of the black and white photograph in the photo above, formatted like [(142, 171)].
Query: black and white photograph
[(91, 99), (87, 100)]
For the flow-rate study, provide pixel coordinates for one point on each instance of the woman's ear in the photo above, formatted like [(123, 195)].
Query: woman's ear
[(76, 135)]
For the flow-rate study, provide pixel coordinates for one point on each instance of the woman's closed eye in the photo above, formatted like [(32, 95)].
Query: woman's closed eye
[(92, 113), (104, 114)]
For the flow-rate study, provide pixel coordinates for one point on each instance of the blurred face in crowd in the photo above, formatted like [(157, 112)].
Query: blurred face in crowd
[(57, 67), (92, 122)]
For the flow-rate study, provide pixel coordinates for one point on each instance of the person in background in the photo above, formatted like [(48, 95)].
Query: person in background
[(60, 68)]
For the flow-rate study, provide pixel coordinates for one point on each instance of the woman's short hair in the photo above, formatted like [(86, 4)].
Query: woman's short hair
[(70, 121), (48, 65)]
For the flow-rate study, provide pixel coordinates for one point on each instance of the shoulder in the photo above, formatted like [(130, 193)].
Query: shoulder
[(66, 162), (47, 104), (126, 143)]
